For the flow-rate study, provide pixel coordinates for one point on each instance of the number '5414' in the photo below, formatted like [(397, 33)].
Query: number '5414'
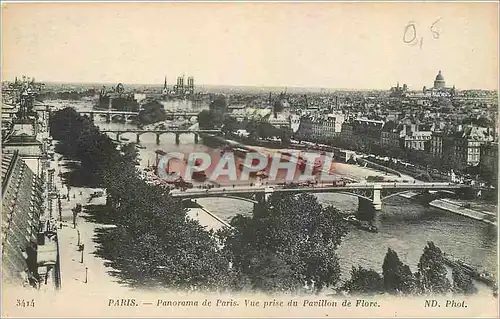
[(25, 303)]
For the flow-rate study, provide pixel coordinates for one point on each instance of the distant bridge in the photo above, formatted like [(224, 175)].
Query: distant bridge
[(158, 133), (373, 192), (129, 115)]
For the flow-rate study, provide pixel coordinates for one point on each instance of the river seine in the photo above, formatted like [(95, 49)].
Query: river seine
[(404, 226)]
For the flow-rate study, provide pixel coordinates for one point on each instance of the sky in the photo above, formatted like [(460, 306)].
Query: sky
[(330, 45)]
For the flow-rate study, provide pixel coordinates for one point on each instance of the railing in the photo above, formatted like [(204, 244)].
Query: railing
[(161, 131), (276, 188)]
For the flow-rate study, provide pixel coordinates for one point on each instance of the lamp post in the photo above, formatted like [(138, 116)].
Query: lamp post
[(86, 274), (59, 205), (51, 179), (78, 232)]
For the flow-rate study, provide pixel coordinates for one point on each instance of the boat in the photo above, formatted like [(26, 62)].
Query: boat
[(141, 146), (363, 225), (471, 270), (368, 227), (352, 219), (124, 139)]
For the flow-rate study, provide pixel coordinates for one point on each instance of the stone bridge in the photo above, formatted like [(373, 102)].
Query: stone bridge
[(158, 133)]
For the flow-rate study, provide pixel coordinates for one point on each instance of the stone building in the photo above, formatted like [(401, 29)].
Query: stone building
[(461, 148), (321, 127), (439, 88), (488, 162)]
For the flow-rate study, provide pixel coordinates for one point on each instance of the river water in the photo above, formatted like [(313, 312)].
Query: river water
[(404, 226)]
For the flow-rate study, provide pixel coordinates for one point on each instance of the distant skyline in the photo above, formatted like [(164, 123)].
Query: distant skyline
[(320, 45)]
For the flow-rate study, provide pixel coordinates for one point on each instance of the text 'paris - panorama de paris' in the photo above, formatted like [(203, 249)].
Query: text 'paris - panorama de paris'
[(266, 303)]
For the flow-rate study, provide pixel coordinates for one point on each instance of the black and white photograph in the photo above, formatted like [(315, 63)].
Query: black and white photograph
[(250, 159)]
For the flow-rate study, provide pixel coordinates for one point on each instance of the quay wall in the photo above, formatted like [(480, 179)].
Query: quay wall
[(449, 206)]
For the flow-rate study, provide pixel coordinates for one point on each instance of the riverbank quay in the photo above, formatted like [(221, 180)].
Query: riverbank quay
[(350, 172), (469, 209), (207, 219), (454, 207)]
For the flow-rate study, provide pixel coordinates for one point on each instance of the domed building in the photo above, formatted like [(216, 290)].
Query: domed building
[(439, 83), (439, 88)]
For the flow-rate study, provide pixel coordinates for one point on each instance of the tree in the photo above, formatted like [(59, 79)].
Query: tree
[(364, 282), (432, 271), (218, 104), (230, 125), (252, 128), (398, 278), (153, 242), (285, 135), (152, 112), (205, 120), (298, 234), (266, 130), (462, 283), (270, 273)]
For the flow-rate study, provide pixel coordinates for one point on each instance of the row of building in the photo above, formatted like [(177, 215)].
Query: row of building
[(438, 89), (381, 127), (458, 147), (30, 254)]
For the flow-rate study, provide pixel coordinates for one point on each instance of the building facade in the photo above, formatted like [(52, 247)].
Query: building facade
[(462, 148), (21, 210), (489, 160)]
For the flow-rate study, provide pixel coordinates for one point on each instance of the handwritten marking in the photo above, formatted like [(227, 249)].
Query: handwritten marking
[(411, 24), (410, 35), (435, 34)]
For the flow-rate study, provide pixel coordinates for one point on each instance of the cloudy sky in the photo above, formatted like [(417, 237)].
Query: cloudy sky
[(332, 45)]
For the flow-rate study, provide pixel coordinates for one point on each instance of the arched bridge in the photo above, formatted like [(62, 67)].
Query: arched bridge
[(373, 192), (128, 115), (158, 133)]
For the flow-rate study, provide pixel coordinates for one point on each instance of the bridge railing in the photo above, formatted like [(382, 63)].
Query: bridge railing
[(323, 188)]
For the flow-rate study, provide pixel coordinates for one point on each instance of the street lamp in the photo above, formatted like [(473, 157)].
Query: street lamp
[(74, 217), (86, 274), (59, 205)]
